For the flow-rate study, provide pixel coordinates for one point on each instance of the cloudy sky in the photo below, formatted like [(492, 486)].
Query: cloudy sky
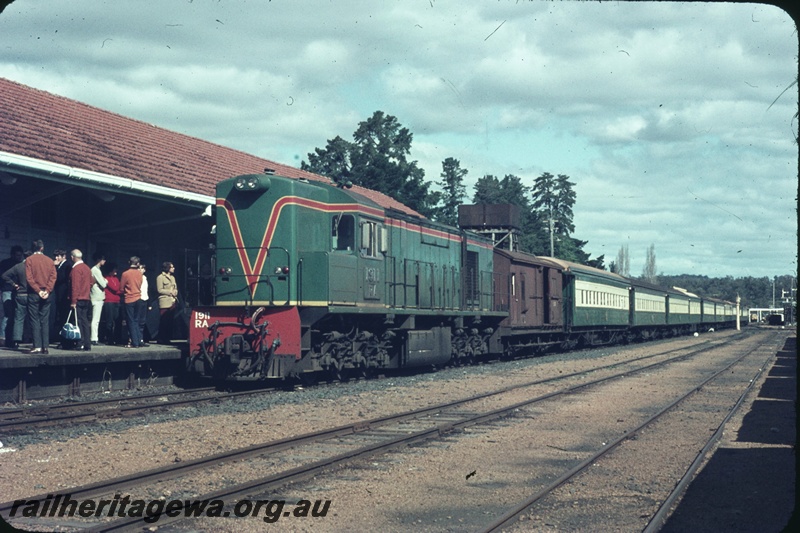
[(672, 119)]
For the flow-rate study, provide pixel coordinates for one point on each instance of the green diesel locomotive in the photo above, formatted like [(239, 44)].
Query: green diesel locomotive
[(311, 277)]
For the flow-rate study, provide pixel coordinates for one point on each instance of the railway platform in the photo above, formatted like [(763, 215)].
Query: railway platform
[(65, 373), (748, 484)]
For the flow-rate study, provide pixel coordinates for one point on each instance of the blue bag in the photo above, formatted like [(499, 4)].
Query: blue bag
[(70, 331)]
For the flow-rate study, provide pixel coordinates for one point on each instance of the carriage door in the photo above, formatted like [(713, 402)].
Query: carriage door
[(553, 293)]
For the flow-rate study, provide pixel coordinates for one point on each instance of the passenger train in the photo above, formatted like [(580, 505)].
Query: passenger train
[(316, 279)]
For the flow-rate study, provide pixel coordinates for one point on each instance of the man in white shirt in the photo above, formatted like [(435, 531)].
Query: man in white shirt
[(98, 294)]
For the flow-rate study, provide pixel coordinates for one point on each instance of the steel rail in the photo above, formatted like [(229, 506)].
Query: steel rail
[(62, 415), (186, 467), (509, 518), (303, 472), (45, 410), (660, 516), (65, 415), (241, 453)]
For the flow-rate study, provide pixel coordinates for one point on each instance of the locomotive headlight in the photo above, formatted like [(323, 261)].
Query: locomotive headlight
[(282, 270), (225, 271), (240, 184), (251, 182)]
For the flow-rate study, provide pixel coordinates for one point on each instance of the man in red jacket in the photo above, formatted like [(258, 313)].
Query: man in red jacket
[(80, 280), (40, 272)]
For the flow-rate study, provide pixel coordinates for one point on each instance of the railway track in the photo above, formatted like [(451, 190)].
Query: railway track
[(512, 516), (309, 455), (25, 419), (64, 414)]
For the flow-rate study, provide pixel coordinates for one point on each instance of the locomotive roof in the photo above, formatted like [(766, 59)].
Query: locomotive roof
[(685, 292), (577, 267), (661, 288), (44, 126), (522, 257)]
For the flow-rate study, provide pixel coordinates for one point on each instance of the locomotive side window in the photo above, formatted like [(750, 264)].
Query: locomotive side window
[(369, 239), (343, 233)]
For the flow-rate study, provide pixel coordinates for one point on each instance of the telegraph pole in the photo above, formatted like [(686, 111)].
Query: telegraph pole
[(738, 313), (773, 291)]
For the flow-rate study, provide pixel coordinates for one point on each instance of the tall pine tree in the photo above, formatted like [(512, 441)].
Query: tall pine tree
[(377, 159), (453, 191)]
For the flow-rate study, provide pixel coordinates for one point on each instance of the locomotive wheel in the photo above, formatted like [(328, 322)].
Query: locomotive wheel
[(362, 372), (308, 379), (337, 374)]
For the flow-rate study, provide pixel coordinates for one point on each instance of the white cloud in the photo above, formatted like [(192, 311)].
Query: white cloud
[(662, 113)]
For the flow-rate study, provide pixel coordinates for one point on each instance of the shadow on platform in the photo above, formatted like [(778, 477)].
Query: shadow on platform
[(751, 489)]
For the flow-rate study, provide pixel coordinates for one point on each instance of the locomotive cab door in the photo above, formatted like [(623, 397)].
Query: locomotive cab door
[(343, 263), (372, 246)]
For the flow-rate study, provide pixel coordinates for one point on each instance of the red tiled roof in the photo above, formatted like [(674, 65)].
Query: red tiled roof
[(45, 126)]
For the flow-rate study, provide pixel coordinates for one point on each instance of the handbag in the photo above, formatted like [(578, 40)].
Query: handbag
[(70, 331)]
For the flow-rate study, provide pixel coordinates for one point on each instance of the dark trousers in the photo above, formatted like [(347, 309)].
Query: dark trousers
[(59, 309), (83, 310), (8, 315), (133, 315), (165, 324), (20, 314), (110, 323), (39, 316)]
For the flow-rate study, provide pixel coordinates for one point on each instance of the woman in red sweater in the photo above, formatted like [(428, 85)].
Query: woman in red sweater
[(111, 318)]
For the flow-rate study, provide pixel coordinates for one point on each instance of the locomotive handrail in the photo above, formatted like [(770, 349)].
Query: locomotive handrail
[(264, 277)]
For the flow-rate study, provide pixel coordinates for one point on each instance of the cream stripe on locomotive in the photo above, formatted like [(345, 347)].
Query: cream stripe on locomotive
[(599, 295)]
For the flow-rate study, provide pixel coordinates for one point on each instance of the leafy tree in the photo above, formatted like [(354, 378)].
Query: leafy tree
[(510, 190), (597, 263), (377, 159), (453, 191), (487, 191), (553, 198), (622, 265), (333, 161), (649, 272)]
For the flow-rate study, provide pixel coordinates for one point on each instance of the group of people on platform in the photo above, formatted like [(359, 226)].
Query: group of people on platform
[(40, 294)]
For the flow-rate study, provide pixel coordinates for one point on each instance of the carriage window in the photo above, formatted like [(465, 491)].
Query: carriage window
[(343, 232)]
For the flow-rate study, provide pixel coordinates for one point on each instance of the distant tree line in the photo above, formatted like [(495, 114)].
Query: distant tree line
[(378, 158), (754, 292)]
